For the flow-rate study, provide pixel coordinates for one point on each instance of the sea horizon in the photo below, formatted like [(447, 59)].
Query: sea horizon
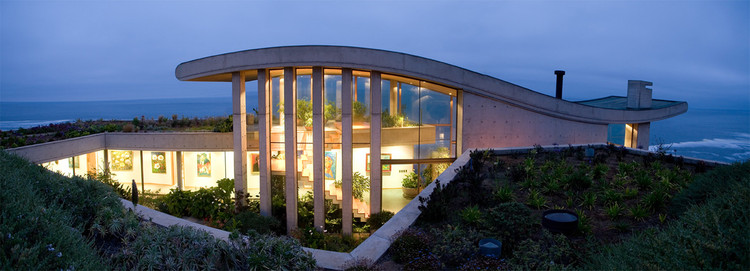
[(713, 134)]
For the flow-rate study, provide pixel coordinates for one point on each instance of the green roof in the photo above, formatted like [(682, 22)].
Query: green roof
[(621, 103)]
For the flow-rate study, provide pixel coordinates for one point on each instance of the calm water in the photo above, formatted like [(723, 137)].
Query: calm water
[(721, 135)]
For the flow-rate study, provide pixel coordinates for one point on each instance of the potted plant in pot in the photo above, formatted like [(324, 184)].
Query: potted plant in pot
[(410, 185)]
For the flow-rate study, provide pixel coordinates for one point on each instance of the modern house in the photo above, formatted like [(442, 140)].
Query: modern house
[(331, 116)]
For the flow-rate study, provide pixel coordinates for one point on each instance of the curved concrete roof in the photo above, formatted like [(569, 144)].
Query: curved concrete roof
[(220, 67)]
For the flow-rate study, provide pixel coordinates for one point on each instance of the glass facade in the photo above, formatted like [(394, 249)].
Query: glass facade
[(417, 138)]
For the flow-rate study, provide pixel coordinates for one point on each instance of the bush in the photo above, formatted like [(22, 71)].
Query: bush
[(715, 182), (224, 126), (252, 221), (410, 244), (485, 263), (712, 235), (423, 262), (49, 221), (377, 220), (215, 203), (180, 248), (455, 244), (548, 252), (509, 222)]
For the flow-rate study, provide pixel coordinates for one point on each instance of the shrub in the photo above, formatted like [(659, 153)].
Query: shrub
[(252, 221), (485, 263), (423, 262), (410, 244), (377, 220), (504, 194), (709, 235), (579, 180), (715, 182), (548, 252), (49, 221), (536, 200), (360, 264), (224, 126), (455, 244), (471, 215), (509, 222)]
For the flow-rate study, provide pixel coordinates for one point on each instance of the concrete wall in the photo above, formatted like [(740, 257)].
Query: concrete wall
[(170, 141), (63, 149), (51, 151), (489, 123)]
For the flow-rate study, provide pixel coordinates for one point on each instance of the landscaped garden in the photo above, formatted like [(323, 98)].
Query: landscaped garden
[(66, 130), (634, 212), (49, 221)]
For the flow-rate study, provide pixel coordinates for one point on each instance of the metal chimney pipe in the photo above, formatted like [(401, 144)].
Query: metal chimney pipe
[(558, 89)]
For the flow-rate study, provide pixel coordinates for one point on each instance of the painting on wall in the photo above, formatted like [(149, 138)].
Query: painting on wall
[(158, 162), (255, 160), (122, 160), (384, 156), (330, 165), (204, 164), (74, 163)]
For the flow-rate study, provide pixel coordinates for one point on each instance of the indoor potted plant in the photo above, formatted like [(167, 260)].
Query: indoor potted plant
[(410, 185)]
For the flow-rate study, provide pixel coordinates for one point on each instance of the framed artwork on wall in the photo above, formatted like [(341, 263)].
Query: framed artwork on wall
[(158, 162), (255, 160), (383, 156), (204, 164), (329, 166), (122, 160)]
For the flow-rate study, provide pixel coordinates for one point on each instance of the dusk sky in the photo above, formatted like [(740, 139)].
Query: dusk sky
[(694, 51)]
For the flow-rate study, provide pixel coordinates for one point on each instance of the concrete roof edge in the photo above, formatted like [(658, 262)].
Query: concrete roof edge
[(420, 68)]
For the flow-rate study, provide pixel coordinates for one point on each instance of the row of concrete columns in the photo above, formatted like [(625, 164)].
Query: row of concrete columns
[(290, 143)]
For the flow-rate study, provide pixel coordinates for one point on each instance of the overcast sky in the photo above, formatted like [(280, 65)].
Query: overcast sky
[(694, 51)]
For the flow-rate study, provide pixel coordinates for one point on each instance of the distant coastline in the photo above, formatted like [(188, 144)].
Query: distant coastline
[(714, 134)]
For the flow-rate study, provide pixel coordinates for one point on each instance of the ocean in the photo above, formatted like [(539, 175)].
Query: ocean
[(719, 135)]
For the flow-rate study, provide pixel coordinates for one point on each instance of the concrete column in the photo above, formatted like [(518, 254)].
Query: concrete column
[(643, 135), (178, 169), (264, 139), (376, 172), (290, 147), (143, 185), (318, 142), (393, 98), (106, 158), (239, 125), (346, 151), (459, 122)]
